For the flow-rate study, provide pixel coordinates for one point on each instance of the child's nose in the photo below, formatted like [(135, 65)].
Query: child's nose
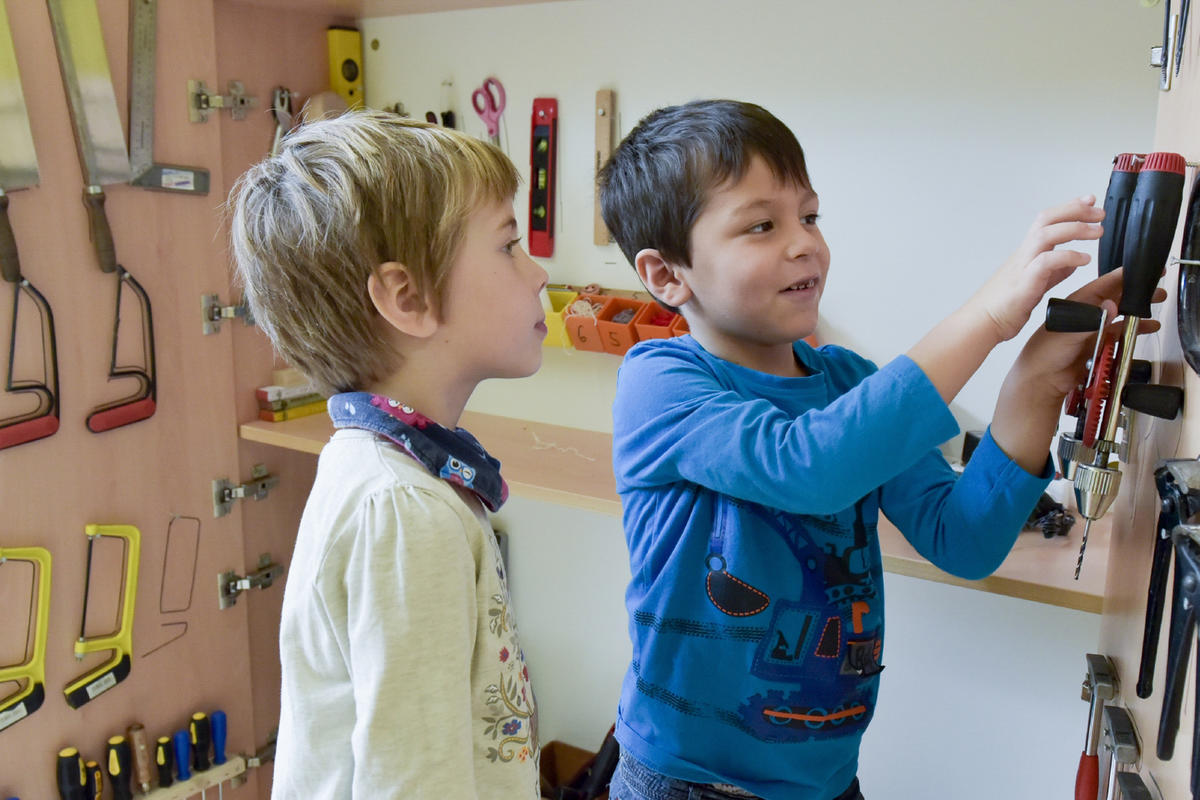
[(804, 241), (536, 272)]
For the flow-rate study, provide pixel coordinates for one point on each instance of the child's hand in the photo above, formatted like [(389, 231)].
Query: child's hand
[(1050, 366), (1054, 363), (1011, 294)]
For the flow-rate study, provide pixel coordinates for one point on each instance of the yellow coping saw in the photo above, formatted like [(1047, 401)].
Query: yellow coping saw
[(24, 702), (104, 160), (116, 669)]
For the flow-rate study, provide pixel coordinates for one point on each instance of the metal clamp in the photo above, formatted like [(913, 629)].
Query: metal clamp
[(213, 313), (201, 102), (226, 493), (230, 584)]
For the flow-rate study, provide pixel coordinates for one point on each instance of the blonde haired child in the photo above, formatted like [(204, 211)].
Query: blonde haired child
[(381, 257)]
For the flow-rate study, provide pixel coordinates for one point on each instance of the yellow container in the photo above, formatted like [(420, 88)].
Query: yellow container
[(556, 328)]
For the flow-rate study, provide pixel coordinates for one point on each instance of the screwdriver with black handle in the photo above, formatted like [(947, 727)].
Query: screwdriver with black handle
[(120, 767), (94, 787), (71, 775), (1149, 230), (164, 761)]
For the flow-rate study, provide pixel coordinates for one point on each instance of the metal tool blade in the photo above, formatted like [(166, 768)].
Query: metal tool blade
[(83, 60), (143, 50), (18, 159)]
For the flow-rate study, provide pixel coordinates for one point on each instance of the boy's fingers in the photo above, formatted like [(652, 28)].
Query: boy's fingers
[(1056, 265), (1083, 208), (1050, 236)]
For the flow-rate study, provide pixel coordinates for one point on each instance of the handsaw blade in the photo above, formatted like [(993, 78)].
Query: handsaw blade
[(83, 60), (18, 159)]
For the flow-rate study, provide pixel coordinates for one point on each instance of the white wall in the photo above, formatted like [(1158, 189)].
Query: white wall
[(934, 129)]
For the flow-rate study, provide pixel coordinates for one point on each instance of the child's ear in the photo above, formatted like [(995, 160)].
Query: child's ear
[(395, 297), (664, 280)]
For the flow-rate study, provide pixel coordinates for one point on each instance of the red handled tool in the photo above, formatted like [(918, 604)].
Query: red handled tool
[(19, 170), (1099, 686), (103, 159), (543, 172), (1149, 227)]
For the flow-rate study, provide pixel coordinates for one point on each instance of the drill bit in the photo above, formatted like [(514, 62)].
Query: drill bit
[(1082, 546)]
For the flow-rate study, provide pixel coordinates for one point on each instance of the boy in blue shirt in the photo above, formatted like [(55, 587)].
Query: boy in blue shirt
[(752, 468)]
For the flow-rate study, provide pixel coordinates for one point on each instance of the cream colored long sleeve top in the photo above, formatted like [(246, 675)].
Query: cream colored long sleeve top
[(403, 676)]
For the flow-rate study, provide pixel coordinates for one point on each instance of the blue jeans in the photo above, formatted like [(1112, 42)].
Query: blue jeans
[(635, 781)]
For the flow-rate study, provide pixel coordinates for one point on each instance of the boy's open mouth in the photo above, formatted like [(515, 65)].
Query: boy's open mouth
[(800, 286)]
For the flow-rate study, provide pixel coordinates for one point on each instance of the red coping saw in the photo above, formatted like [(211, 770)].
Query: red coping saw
[(103, 158), (19, 170)]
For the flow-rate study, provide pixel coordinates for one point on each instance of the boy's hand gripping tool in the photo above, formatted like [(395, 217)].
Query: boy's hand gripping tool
[(25, 701), (87, 687), (1099, 686), (1147, 231)]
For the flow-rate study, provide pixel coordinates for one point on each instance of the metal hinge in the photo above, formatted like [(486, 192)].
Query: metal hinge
[(213, 313), (201, 102), (225, 493), (230, 584)]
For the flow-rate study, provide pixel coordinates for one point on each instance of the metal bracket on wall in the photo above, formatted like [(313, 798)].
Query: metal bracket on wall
[(230, 584), (213, 313), (201, 102), (226, 493)]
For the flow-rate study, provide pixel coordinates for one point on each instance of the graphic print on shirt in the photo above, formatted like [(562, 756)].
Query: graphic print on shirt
[(456, 471), (731, 595), (817, 642), (512, 721)]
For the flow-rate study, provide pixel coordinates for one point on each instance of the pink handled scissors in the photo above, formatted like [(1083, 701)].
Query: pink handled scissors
[(489, 101)]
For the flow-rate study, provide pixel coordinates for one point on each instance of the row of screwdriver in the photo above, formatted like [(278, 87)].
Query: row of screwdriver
[(128, 760)]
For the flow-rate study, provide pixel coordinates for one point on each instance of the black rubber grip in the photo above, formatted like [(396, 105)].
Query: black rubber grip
[(1116, 210), (101, 234), (1139, 371), (1071, 316), (1164, 402), (1153, 213)]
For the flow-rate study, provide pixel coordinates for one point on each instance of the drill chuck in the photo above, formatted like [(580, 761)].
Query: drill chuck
[(1072, 452), (1095, 489)]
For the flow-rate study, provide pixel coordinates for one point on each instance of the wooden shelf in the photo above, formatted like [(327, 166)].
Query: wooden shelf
[(380, 8), (573, 467)]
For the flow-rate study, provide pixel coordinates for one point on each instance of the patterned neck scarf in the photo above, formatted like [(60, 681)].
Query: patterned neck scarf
[(454, 456)]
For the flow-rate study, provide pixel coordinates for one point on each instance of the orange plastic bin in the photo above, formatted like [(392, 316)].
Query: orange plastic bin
[(654, 322), (618, 337), (582, 327)]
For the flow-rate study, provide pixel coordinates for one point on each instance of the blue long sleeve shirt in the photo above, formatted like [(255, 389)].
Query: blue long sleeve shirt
[(750, 507)]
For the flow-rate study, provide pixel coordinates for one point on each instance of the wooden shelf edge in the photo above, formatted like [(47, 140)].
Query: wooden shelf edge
[(537, 456), (997, 584)]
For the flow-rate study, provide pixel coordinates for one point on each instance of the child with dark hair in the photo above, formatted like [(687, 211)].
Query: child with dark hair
[(752, 468)]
